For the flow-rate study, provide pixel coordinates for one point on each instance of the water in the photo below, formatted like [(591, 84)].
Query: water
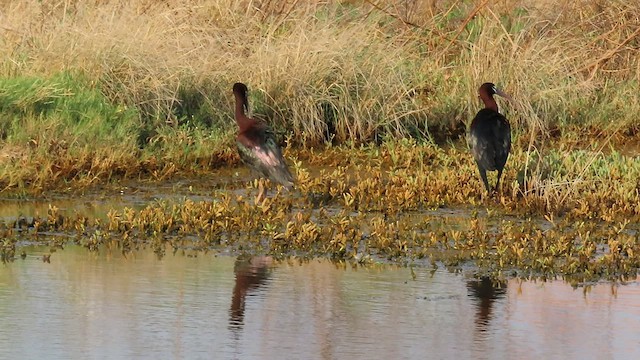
[(96, 203), (106, 306)]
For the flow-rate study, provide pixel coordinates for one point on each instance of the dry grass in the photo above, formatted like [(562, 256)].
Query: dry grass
[(353, 64), (354, 71)]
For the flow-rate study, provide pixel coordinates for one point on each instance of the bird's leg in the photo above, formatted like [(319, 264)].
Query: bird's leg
[(483, 175), (261, 191), (498, 182)]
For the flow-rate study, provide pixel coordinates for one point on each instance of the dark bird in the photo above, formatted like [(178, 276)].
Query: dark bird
[(257, 145), (490, 135)]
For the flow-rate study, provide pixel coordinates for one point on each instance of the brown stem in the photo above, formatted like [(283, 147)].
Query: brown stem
[(603, 59), (464, 24)]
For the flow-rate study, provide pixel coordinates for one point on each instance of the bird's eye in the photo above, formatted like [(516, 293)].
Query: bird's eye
[(495, 91)]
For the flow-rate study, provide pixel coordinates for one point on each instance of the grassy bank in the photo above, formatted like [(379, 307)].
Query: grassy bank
[(91, 91)]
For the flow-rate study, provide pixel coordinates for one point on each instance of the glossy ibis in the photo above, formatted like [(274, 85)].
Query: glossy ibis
[(490, 135), (257, 145)]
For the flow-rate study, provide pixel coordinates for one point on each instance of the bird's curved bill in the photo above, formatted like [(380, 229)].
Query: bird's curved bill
[(502, 93)]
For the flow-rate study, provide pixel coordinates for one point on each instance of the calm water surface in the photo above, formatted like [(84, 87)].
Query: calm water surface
[(86, 305)]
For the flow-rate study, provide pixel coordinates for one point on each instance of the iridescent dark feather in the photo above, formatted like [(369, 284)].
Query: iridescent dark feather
[(490, 139), (257, 145), (490, 136), (258, 149)]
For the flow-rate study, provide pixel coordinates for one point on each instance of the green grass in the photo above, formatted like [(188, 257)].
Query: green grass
[(146, 89), (63, 107), (63, 128)]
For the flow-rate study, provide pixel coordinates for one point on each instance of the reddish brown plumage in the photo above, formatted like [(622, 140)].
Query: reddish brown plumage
[(256, 144)]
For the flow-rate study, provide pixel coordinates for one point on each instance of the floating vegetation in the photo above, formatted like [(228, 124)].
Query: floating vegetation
[(573, 216), (387, 212)]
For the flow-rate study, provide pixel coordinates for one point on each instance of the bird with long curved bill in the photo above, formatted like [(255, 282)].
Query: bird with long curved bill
[(257, 145), (490, 135)]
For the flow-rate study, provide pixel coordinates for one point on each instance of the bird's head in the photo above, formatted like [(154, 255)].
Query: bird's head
[(240, 89), (490, 89)]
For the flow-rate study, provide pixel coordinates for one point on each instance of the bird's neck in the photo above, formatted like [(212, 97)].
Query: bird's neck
[(243, 121), (489, 101)]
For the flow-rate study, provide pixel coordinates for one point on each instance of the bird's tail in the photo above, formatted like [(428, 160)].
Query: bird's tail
[(282, 175)]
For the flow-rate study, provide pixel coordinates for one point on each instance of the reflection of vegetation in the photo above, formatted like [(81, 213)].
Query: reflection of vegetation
[(147, 90)]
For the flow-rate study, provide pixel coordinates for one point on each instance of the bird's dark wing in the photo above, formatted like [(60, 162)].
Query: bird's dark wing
[(258, 149), (502, 133), (490, 139)]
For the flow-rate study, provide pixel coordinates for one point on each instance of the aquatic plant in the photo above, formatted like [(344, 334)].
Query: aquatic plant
[(402, 232)]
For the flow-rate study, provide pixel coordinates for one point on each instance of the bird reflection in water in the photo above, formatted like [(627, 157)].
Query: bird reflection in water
[(251, 273), (485, 291)]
